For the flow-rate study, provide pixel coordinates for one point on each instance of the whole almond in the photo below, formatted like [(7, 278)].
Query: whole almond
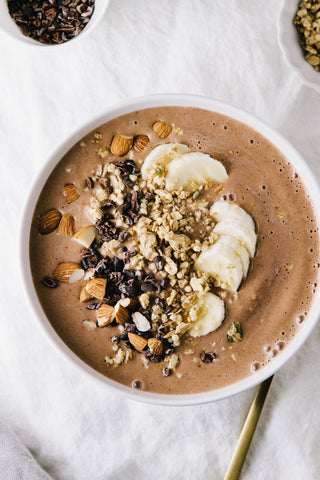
[(121, 144), (138, 342), (84, 295), (162, 129), (140, 142), (122, 314), (97, 287), (105, 315), (71, 192), (66, 225), (68, 272), (155, 346), (49, 221)]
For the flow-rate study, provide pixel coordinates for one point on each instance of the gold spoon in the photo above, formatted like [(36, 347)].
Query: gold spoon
[(247, 432)]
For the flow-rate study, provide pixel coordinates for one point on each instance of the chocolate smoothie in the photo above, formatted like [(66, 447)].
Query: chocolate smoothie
[(272, 301)]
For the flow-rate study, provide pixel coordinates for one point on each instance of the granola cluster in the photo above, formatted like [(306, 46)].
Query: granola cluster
[(307, 20)]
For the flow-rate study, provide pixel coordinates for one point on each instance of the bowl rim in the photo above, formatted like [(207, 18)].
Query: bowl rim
[(25, 40), (127, 106), (291, 50)]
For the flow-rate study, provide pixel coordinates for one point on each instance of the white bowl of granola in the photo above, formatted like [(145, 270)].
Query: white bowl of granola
[(225, 367), (290, 41)]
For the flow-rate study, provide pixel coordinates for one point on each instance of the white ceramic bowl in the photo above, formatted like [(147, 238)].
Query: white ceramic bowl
[(289, 41), (8, 25), (121, 109)]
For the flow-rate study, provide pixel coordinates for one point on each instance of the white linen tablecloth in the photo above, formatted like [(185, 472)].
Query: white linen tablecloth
[(75, 428)]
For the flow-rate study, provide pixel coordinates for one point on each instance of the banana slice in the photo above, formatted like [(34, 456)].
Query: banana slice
[(225, 210), (210, 315), (223, 264), (194, 168), (240, 251), (161, 156), (240, 230)]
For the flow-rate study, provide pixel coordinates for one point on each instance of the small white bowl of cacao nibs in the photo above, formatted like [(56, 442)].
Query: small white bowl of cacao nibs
[(50, 22)]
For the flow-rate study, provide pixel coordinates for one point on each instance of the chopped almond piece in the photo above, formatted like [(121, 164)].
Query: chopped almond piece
[(105, 315), (71, 192), (68, 272), (85, 235), (97, 287), (66, 225)]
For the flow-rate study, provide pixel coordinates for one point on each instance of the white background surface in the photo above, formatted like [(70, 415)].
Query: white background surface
[(74, 427)]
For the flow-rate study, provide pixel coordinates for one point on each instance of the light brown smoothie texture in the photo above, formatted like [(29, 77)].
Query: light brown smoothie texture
[(271, 303)]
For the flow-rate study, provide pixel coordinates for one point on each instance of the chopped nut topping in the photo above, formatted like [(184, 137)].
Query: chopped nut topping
[(234, 333), (139, 264), (307, 20), (121, 357)]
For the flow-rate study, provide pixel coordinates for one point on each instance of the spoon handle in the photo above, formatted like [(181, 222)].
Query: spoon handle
[(247, 432)]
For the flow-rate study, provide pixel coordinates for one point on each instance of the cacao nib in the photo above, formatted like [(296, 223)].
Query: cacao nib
[(134, 201), (123, 236), (103, 266), (166, 372), (94, 306), (207, 357), (164, 282), (131, 288), (117, 264), (131, 328), (94, 249), (128, 345), (159, 263), (161, 302), (131, 253), (107, 230), (85, 252), (104, 182), (89, 183), (49, 282), (152, 357), (147, 314), (140, 275), (128, 183), (169, 351), (130, 217), (148, 287), (148, 196), (115, 278), (129, 274), (108, 204), (84, 263), (161, 331), (124, 336), (127, 167)]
